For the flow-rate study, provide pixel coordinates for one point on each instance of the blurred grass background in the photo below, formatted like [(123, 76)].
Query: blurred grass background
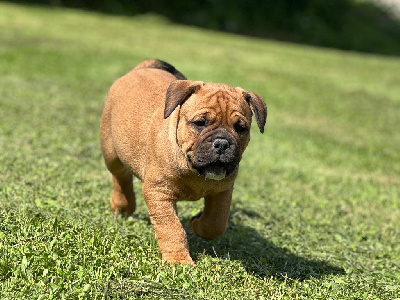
[(371, 26)]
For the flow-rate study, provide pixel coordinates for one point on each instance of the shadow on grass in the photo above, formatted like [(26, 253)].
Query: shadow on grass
[(259, 255)]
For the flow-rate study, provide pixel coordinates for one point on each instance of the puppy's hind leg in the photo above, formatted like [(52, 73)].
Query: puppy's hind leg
[(123, 197)]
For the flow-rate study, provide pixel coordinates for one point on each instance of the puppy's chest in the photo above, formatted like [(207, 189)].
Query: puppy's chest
[(193, 190), (186, 191)]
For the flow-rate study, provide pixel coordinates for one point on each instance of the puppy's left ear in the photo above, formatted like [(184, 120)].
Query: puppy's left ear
[(258, 108), (178, 92)]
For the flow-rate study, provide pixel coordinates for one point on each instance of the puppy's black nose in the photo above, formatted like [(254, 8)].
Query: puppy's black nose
[(221, 145)]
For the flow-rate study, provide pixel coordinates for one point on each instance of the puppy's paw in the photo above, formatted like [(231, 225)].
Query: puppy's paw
[(121, 206), (178, 258), (193, 221)]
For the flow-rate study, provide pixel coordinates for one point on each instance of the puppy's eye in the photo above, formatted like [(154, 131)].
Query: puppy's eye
[(201, 123), (240, 128)]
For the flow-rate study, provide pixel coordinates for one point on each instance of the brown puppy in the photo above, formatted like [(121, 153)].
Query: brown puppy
[(184, 139)]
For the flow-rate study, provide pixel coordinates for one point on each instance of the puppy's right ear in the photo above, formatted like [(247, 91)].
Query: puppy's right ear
[(178, 92)]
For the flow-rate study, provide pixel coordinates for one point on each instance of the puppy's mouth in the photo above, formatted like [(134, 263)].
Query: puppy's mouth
[(215, 156), (215, 171)]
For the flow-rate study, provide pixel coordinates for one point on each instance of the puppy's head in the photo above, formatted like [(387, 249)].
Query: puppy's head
[(214, 124)]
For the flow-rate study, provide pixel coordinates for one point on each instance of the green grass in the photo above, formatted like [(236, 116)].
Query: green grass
[(316, 208)]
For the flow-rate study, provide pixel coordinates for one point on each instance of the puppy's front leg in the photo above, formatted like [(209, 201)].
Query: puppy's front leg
[(211, 223), (169, 231)]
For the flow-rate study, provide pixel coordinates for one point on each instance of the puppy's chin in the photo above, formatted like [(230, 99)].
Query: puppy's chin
[(215, 172)]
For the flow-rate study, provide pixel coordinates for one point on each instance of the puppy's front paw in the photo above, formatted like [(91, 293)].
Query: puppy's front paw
[(178, 258)]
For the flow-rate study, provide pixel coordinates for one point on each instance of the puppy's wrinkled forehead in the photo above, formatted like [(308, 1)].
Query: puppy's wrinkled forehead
[(220, 98)]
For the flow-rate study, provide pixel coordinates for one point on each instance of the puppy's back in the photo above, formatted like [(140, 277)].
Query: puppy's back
[(134, 103), (161, 65)]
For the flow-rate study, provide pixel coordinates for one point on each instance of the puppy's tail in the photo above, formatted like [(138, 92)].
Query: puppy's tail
[(162, 65)]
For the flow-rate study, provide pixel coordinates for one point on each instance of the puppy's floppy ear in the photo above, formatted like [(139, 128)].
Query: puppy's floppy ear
[(178, 92), (258, 108)]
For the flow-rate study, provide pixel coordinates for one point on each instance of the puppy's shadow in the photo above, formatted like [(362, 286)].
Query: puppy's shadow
[(259, 255)]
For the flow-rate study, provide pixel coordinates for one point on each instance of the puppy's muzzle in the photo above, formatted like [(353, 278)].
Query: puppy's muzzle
[(220, 145), (216, 156)]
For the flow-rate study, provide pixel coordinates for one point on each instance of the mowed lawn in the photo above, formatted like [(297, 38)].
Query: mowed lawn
[(316, 206)]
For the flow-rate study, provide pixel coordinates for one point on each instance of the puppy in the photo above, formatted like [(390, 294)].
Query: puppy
[(184, 139)]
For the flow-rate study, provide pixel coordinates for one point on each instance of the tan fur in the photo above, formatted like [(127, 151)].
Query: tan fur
[(145, 131)]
